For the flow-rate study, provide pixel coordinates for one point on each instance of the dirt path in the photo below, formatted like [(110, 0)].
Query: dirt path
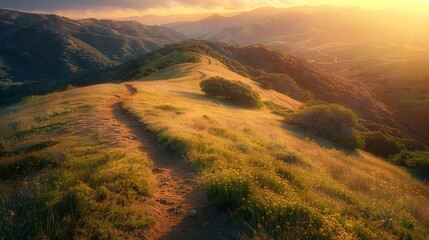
[(179, 203)]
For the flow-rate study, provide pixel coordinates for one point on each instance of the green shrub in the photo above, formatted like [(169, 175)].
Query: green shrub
[(381, 144), (418, 161), (331, 121), (233, 91)]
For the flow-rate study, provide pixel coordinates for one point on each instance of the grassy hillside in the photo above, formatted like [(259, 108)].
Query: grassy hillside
[(289, 75), (65, 172), (257, 62), (390, 56), (276, 180), (277, 183)]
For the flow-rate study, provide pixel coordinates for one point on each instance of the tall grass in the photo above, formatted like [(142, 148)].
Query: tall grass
[(276, 183), (58, 181)]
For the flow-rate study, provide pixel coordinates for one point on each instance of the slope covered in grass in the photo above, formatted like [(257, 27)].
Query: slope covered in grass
[(274, 179), (64, 174)]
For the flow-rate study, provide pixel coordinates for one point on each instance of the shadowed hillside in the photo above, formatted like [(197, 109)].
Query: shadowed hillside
[(39, 52)]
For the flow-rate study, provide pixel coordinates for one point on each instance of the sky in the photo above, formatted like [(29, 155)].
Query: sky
[(125, 8)]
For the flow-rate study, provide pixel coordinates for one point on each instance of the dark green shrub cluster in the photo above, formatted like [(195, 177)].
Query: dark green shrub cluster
[(417, 161), (331, 121), (381, 144), (234, 91)]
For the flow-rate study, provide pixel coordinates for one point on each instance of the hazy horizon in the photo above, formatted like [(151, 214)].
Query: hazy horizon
[(113, 9)]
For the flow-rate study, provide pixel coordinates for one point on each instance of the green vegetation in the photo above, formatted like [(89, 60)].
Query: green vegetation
[(163, 62), (256, 62), (416, 161), (234, 91), (57, 178), (62, 177), (381, 144), (333, 122), (275, 184)]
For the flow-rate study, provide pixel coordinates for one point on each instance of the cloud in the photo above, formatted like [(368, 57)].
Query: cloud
[(126, 4)]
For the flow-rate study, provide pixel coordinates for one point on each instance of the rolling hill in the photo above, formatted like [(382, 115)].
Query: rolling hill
[(256, 60), (38, 48), (157, 158), (388, 54)]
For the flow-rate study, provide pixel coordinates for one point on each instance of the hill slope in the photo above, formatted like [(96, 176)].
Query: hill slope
[(388, 56), (290, 75), (36, 46), (276, 180), (43, 53), (256, 60)]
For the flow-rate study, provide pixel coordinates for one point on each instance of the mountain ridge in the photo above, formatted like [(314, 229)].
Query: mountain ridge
[(78, 45)]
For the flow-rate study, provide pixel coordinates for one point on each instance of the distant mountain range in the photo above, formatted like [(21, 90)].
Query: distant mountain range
[(311, 26), (36, 46), (152, 19)]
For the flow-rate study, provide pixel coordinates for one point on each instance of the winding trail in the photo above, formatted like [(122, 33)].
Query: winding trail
[(179, 202)]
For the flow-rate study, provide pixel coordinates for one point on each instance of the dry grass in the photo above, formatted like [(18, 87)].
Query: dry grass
[(350, 195), (278, 182)]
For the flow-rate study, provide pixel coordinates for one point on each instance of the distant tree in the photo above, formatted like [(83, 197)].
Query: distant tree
[(233, 91), (331, 121)]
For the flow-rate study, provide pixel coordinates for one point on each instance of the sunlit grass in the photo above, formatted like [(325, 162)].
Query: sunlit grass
[(58, 180), (277, 180)]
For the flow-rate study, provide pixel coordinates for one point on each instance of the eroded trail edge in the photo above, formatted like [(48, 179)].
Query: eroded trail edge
[(179, 203)]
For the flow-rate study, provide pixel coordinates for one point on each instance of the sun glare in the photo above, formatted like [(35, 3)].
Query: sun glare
[(418, 6)]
